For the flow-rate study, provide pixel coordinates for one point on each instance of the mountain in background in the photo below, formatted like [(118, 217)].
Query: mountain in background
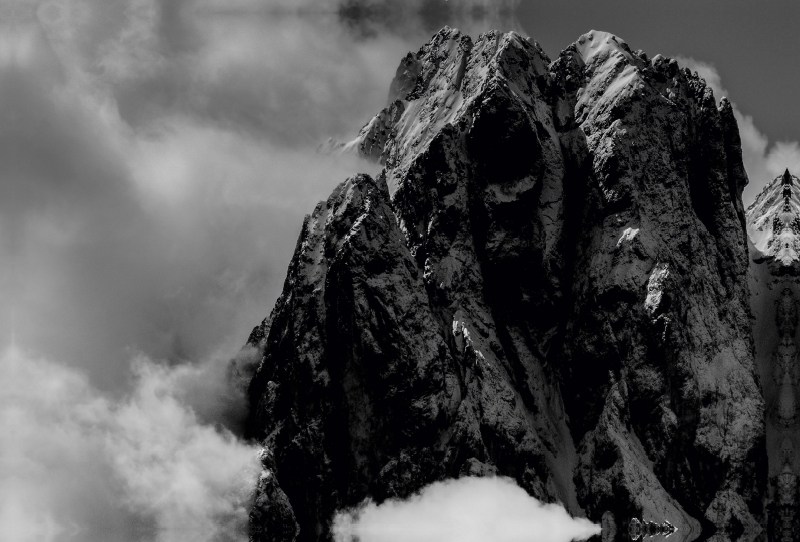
[(773, 225), (550, 280)]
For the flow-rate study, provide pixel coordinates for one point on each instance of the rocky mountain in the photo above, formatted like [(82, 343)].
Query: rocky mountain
[(773, 224), (548, 281)]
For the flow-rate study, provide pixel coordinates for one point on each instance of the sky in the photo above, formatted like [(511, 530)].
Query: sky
[(156, 160), (745, 50), (158, 157), (752, 45)]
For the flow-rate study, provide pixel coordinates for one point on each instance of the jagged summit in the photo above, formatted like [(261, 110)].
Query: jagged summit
[(547, 281), (773, 219)]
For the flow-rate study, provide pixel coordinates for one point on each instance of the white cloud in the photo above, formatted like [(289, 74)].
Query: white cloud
[(76, 465), (134, 222), (150, 206), (158, 157), (463, 510), (195, 480), (157, 160), (761, 161)]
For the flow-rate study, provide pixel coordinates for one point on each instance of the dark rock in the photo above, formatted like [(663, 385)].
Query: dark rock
[(548, 281), (272, 518), (773, 222)]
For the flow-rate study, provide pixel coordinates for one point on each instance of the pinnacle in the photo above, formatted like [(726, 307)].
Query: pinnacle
[(773, 220)]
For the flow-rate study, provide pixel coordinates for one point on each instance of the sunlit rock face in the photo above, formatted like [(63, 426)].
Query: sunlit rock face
[(548, 281)]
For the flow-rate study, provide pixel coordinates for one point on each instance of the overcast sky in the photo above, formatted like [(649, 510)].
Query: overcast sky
[(747, 50), (753, 45), (156, 161)]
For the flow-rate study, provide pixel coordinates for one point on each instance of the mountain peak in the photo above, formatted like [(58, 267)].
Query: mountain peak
[(773, 219), (547, 281), (595, 43)]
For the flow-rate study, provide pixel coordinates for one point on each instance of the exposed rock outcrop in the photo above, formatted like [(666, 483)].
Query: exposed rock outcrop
[(548, 281)]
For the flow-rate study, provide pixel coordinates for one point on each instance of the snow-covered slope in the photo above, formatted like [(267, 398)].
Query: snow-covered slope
[(773, 219)]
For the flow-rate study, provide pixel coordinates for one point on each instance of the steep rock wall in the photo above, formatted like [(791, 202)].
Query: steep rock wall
[(547, 281)]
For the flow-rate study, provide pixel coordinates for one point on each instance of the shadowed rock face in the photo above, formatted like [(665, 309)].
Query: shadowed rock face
[(773, 224), (548, 281)]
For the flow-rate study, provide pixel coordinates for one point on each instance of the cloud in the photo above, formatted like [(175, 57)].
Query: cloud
[(195, 480), (157, 159), (155, 181), (782, 155), (77, 465), (761, 161), (463, 510)]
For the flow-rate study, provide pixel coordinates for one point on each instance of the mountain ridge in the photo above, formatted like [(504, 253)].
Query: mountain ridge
[(547, 281)]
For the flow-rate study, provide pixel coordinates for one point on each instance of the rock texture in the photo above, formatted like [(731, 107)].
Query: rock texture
[(548, 281), (772, 222)]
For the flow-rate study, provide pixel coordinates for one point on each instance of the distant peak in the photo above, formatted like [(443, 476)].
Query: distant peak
[(773, 220)]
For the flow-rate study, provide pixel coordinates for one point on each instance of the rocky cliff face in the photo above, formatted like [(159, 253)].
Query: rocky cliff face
[(548, 281)]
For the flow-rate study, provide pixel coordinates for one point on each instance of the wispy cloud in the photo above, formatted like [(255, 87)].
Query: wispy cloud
[(77, 465), (157, 158), (463, 510), (156, 168), (762, 161)]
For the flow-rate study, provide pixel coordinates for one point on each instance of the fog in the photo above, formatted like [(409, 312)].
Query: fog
[(156, 159), (156, 169)]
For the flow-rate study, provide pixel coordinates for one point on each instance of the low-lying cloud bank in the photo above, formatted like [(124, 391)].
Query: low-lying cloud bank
[(75, 465), (762, 161), (463, 510)]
